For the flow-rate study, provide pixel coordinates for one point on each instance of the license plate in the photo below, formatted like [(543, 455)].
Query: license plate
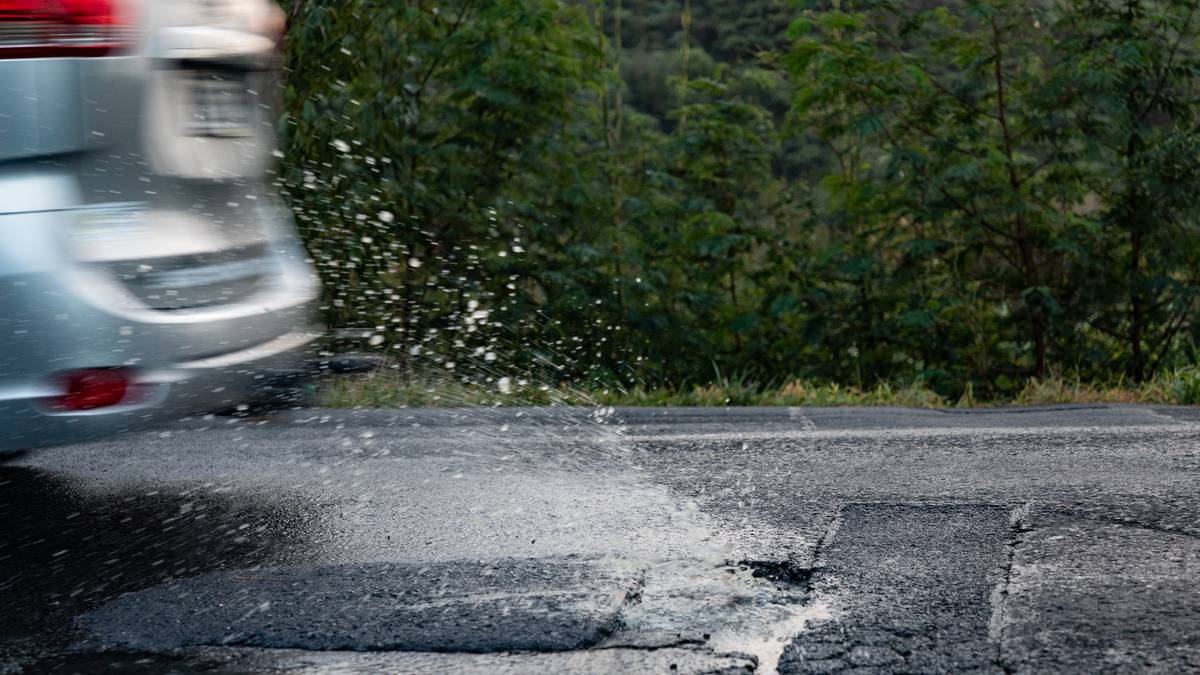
[(219, 105)]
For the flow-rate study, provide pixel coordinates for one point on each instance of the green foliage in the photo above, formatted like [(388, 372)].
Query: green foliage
[(395, 388), (1186, 386), (1029, 161), (943, 148), (413, 131), (635, 196), (1135, 67)]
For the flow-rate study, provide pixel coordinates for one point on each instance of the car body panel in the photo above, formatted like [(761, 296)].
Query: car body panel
[(139, 229)]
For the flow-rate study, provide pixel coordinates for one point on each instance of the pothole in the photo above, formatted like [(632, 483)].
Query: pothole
[(784, 573), (751, 607)]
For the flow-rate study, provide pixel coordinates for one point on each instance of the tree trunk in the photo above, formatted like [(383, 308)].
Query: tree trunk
[(1137, 314), (1039, 347)]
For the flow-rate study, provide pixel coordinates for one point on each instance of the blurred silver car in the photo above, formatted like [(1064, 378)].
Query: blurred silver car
[(147, 269)]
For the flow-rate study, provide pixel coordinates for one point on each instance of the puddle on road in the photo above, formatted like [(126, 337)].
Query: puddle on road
[(767, 638), (64, 550), (722, 609), (780, 617)]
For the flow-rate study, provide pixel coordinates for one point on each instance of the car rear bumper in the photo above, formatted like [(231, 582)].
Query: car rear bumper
[(156, 395), (59, 315)]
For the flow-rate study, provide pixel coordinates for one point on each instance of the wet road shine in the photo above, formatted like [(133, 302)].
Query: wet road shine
[(571, 540)]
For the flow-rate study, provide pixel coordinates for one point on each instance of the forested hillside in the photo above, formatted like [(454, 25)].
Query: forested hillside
[(962, 195)]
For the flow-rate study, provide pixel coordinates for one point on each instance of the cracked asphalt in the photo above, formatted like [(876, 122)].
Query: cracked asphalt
[(598, 541)]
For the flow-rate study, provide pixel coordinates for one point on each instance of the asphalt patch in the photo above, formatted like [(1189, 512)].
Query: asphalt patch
[(1094, 597), (548, 605), (237, 661), (117, 663), (914, 583)]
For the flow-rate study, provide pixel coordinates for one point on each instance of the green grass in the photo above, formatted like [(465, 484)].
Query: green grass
[(391, 388), (794, 393)]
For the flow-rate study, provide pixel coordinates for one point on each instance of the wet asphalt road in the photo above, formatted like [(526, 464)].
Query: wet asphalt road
[(570, 540)]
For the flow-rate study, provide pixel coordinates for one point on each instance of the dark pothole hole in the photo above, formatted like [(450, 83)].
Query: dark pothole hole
[(785, 573)]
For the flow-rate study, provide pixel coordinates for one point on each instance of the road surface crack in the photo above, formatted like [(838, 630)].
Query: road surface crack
[(831, 530), (1018, 528), (681, 643)]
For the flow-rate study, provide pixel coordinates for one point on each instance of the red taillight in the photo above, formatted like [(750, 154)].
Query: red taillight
[(91, 389), (46, 28)]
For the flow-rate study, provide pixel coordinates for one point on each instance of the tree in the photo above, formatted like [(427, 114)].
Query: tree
[(944, 133), (722, 148), (411, 128), (964, 194), (1136, 66)]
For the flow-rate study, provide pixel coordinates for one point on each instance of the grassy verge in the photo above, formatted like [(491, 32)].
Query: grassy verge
[(391, 388)]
